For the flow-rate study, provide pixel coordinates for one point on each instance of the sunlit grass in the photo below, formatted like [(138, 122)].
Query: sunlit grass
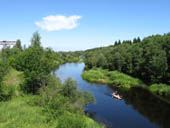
[(116, 78), (12, 81), (22, 111), (111, 77), (17, 113), (160, 89)]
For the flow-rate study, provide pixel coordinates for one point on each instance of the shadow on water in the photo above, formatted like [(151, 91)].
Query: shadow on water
[(137, 109), (99, 119), (148, 105)]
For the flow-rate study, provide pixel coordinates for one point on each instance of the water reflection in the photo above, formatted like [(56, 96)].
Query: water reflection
[(148, 105), (138, 109)]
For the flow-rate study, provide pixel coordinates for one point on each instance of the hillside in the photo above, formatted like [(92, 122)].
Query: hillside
[(31, 97)]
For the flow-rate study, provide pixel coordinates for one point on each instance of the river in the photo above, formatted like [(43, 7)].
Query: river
[(138, 109)]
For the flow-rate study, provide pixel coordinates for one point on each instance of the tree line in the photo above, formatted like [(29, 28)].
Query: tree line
[(60, 102), (147, 59)]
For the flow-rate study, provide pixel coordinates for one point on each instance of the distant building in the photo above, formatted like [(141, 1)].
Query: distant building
[(7, 42)]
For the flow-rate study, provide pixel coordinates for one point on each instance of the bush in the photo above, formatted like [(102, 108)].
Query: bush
[(4, 67), (160, 89), (57, 98), (69, 120), (6, 93)]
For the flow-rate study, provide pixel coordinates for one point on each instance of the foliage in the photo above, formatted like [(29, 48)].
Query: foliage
[(18, 45), (36, 63), (147, 59), (161, 90), (3, 70), (69, 89), (152, 107), (63, 102), (49, 109), (19, 112), (50, 103), (35, 41), (112, 78), (76, 121), (68, 57), (5, 53), (4, 67), (9, 54), (115, 78), (63, 97), (54, 100), (11, 83)]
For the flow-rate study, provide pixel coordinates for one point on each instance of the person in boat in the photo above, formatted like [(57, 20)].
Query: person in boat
[(113, 94), (116, 95)]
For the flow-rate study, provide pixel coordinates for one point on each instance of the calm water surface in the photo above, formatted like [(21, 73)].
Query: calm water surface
[(138, 109)]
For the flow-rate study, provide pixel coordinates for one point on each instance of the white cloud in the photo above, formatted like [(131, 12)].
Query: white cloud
[(58, 22)]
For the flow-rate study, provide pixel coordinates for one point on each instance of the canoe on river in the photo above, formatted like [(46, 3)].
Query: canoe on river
[(117, 96)]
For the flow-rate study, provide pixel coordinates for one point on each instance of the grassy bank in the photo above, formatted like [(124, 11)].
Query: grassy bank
[(161, 90), (20, 113), (23, 111), (12, 81), (116, 78), (112, 78)]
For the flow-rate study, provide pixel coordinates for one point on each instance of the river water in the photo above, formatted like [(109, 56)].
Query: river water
[(138, 109)]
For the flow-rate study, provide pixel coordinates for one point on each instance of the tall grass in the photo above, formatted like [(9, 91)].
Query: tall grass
[(20, 112), (17, 113), (23, 111), (115, 78), (111, 77), (11, 82), (161, 90)]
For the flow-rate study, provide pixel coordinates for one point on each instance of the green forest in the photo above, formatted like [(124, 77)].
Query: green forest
[(32, 97), (138, 62), (85, 64), (27, 80)]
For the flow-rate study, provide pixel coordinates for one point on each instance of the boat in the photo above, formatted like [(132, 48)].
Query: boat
[(117, 96)]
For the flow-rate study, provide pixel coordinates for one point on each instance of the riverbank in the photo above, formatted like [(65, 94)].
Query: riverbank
[(125, 81), (112, 78), (32, 114)]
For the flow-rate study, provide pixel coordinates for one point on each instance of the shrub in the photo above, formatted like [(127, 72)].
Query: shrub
[(160, 89), (69, 120)]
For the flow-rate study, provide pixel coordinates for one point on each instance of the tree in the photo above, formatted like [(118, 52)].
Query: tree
[(3, 71), (101, 61), (18, 45), (119, 42), (6, 52), (69, 88), (135, 40), (138, 40), (35, 41), (147, 59), (37, 64), (116, 43)]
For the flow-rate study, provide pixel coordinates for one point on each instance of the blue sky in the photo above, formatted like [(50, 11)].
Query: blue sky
[(82, 24)]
